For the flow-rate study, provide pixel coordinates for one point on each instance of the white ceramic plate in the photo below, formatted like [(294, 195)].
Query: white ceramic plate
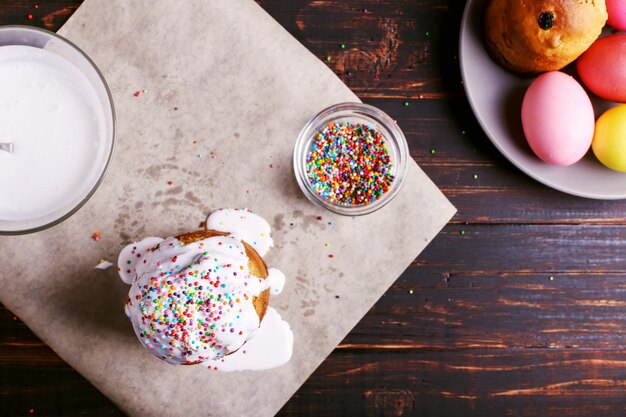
[(496, 96)]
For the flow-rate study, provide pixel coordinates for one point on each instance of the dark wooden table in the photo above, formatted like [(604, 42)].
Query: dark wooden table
[(517, 308)]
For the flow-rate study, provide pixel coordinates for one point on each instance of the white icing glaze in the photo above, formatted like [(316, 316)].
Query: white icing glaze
[(131, 255), (51, 113), (244, 225), (275, 280), (271, 347), (194, 303)]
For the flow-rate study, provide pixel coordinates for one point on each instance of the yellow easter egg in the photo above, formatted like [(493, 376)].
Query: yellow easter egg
[(609, 138)]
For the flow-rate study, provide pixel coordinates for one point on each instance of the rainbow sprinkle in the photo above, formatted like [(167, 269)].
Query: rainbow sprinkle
[(349, 164)]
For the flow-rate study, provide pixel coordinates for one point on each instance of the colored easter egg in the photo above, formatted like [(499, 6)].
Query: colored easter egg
[(602, 68), (609, 139), (616, 10), (557, 118)]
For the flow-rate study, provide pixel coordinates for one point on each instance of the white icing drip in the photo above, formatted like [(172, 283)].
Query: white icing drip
[(244, 225), (192, 303), (131, 255), (271, 347), (275, 280)]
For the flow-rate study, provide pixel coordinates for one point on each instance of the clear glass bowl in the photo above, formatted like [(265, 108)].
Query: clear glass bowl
[(394, 140), (51, 42)]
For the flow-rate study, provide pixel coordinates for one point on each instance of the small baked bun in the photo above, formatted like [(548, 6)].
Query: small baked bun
[(535, 36)]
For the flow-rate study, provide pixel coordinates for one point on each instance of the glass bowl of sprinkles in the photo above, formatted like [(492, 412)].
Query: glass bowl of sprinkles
[(351, 159)]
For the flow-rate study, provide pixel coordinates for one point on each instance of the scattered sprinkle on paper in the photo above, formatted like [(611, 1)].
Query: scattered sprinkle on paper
[(96, 236), (103, 265)]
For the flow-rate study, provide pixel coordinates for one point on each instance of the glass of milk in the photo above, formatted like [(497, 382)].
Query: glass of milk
[(57, 129)]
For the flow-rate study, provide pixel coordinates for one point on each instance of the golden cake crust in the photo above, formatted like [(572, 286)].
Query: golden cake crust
[(532, 36)]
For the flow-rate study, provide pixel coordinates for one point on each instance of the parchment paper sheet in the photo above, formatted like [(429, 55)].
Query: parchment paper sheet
[(244, 88)]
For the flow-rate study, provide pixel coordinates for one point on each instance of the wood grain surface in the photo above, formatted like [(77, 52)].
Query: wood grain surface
[(518, 308)]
